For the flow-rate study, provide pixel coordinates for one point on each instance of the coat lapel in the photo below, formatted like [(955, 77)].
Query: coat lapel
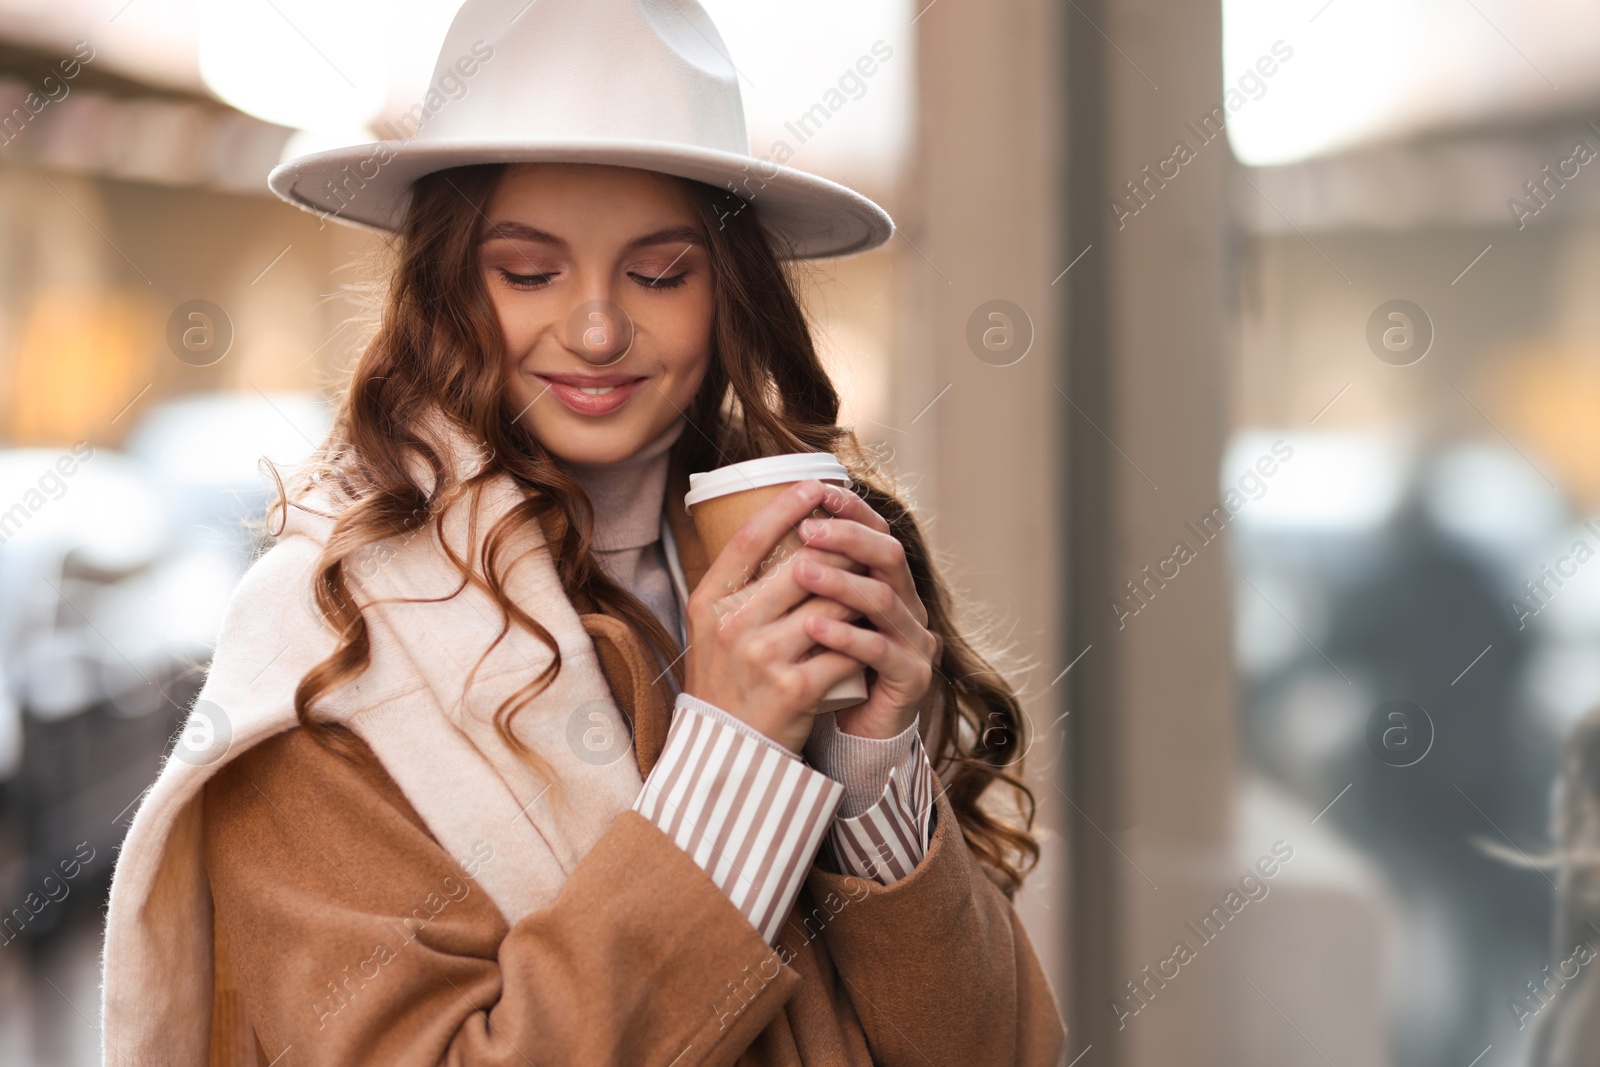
[(635, 686)]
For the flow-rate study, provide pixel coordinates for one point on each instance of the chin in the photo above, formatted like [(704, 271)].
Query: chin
[(593, 444)]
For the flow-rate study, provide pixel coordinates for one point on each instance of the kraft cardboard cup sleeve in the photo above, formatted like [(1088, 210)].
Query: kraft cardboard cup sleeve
[(720, 500)]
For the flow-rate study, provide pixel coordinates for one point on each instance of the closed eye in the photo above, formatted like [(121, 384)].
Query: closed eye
[(539, 281), (650, 282), (525, 281)]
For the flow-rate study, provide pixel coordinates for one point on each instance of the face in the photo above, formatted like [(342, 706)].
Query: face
[(602, 284)]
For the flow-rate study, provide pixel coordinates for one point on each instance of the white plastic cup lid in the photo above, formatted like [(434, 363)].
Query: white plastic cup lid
[(768, 470)]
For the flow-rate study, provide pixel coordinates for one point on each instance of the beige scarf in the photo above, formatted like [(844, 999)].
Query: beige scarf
[(436, 740)]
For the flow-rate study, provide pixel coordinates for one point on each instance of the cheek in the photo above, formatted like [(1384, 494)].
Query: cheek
[(517, 321), (684, 332)]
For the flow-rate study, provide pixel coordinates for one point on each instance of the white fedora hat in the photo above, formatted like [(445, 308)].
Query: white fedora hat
[(637, 83)]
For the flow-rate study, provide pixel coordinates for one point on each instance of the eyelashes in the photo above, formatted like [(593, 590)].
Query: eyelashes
[(539, 281), (660, 283), (524, 281)]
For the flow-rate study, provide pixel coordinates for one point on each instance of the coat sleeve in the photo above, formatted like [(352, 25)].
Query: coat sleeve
[(354, 938), (938, 965)]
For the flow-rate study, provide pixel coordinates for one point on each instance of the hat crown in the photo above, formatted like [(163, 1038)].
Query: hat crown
[(629, 83), (562, 70)]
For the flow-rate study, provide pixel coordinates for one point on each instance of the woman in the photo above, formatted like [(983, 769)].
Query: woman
[(496, 766)]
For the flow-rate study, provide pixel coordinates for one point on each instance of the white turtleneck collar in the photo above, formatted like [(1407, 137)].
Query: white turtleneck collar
[(628, 495)]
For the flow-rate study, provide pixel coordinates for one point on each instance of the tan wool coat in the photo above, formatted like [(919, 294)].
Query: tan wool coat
[(344, 930)]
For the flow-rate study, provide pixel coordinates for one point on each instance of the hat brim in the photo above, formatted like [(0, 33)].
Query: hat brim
[(369, 185)]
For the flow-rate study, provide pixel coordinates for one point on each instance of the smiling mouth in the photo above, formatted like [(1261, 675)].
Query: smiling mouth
[(585, 397), (591, 383)]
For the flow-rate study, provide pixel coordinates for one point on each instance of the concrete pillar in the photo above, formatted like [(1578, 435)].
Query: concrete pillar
[(1145, 418), (982, 224)]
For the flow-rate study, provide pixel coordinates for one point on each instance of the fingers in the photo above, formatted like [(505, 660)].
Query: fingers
[(879, 551), (775, 592), (788, 639), (823, 671), (754, 541), (875, 599), (847, 505), (895, 661)]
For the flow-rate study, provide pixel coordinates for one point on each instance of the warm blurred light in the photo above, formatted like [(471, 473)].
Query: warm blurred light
[(78, 364), (860, 372), (1369, 70), (303, 63), (1546, 397)]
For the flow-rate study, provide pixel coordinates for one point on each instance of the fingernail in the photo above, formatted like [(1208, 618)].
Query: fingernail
[(810, 527)]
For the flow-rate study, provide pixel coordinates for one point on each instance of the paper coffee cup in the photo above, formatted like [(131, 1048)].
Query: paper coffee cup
[(719, 501)]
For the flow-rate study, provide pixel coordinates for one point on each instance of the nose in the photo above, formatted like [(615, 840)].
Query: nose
[(599, 331)]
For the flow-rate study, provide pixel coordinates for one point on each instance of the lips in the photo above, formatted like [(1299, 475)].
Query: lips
[(616, 390)]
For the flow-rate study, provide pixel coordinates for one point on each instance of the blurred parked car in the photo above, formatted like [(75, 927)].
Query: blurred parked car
[(115, 570)]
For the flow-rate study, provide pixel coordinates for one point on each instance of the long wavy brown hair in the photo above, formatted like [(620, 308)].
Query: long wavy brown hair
[(437, 346)]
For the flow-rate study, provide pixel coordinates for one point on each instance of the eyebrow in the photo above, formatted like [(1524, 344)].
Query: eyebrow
[(522, 231)]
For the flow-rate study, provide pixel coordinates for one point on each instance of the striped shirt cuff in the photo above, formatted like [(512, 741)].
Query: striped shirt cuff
[(692, 703), (888, 840), (744, 808)]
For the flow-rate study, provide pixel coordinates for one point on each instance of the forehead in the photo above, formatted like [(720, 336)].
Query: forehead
[(590, 194)]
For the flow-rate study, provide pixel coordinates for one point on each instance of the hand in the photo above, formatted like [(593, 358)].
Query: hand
[(749, 651), (901, 648)]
